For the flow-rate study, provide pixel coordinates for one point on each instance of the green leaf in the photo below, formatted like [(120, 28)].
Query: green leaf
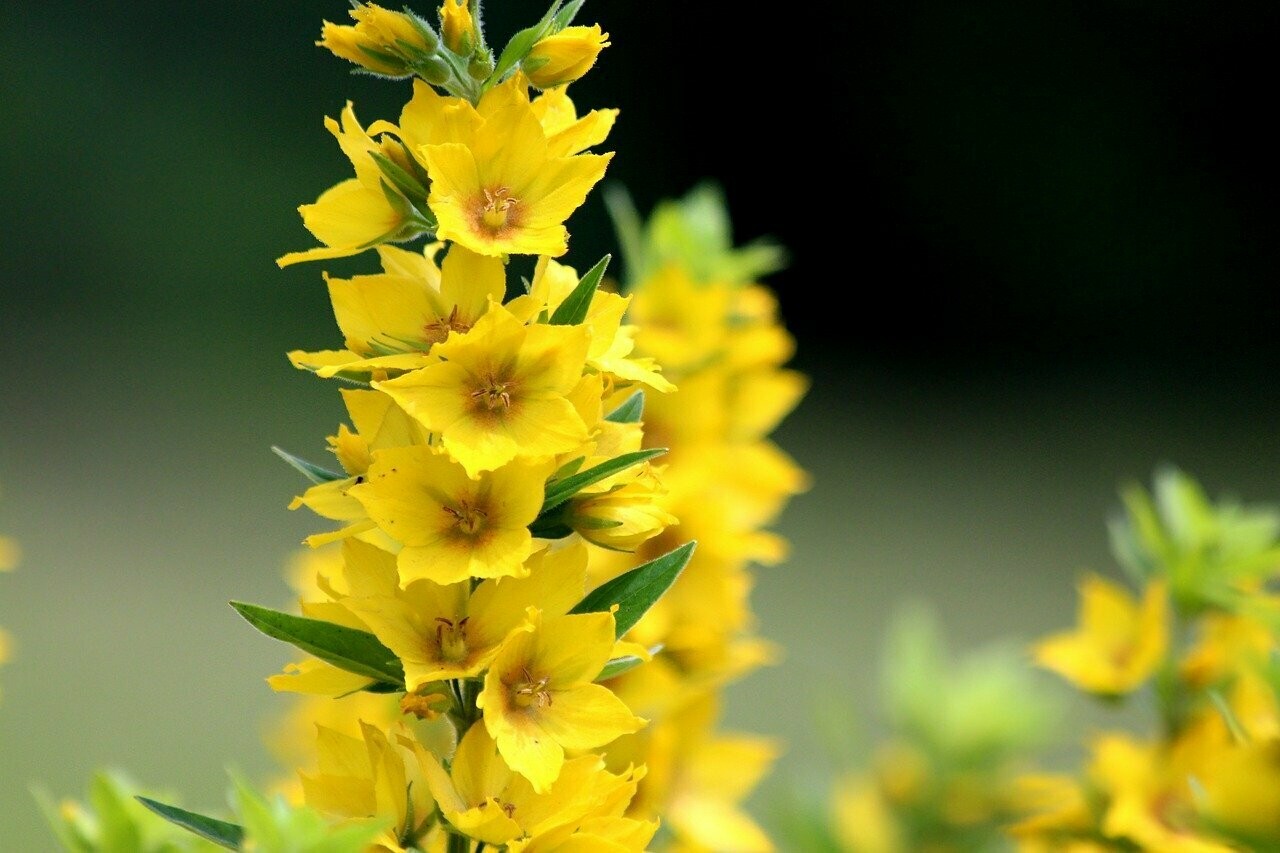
[(619, 665), (311, 471), (637, 590), (404, 182), (520, 45), (629, 229), (559, 491), (630, 412), (573, 310), (346, 648), (228, 835), (566, 15)]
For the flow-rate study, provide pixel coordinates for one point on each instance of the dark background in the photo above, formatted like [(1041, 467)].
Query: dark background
[(1033, 256)]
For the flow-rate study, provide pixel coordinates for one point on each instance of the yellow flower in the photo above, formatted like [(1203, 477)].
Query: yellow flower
[(430, 118), (565, 56), (501, 391), (391, 321), (624, 516), (566, 133), (1242, 790), (456, 26), (441, 632), (483, 798), (1151, 799), (1119, 641), (371, 776), (508, 192), (698, 777), (450, 526), (595, 835), (539, 698), (863, 821), (357, 213)]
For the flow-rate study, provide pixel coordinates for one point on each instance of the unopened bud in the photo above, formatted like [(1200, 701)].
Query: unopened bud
[(353, 45), (480, 66), (456, 26), (565, 56), (434, 70)]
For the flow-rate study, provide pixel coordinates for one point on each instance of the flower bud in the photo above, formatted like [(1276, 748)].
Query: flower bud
[(354, 45), (394, 29), (457, 27), (565, 56), (624, 517), (382, 41)]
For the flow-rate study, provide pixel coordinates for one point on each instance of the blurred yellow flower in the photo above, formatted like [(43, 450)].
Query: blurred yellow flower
[(1119, 641)]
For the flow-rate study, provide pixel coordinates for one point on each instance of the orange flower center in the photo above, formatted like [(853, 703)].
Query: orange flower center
[(493, 394), (468, 519), (499, 211), (532, 692)]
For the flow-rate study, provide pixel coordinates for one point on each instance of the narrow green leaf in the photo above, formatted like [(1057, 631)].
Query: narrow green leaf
[(346, 648), (617, 666), (630, 412), (311, 471), (559, 491), (573, 310), (629, 229), (566, 15), (520, 45), (228, 835), (637, 590)]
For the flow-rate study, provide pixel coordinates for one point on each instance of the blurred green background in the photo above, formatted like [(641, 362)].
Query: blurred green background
[(1033, 257)]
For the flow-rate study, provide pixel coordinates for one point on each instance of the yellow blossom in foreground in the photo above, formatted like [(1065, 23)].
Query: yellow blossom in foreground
[(441, 632), (391, 321), (451, 527), (1119, 641), (565, 56), (566, 132), (355, 214), (483, 798), (501, 391), (368, 776), (507, 192), (539, 698), (595, 835)]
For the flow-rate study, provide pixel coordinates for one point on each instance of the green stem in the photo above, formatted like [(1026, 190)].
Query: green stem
[(458, 844)]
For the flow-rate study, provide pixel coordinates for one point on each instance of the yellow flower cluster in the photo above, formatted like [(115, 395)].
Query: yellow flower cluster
[(1199, 643), (719, 339), (485, 623)]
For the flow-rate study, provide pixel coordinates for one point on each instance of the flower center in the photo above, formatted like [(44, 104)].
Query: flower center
[(467, 518), (493, 395), (499, 206), (533, 692), (437, 331), (451, 638)]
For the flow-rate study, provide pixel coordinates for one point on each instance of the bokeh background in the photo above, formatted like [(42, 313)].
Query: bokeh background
[(1033, 256)]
